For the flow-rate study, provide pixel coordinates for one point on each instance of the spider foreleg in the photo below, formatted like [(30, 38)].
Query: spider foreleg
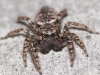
[(27, 19), (61, 14), (17, 31), (81, 26)]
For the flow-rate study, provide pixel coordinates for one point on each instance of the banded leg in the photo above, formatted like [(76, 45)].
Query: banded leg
[(61, 14), (17, 31), (81, 26), (27, 19), (80, 43), (35, 58), (71, 50), (26, 47)]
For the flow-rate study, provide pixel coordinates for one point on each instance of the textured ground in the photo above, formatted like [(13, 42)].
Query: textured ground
[(55, 63)]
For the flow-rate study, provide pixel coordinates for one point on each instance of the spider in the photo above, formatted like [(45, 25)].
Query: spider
[(46, 35)]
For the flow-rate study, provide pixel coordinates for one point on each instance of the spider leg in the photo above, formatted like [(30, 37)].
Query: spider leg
[(81, 26), (27, 19), (80, 43), (35, 58), (17, 31), (61, 14), (71, 50), (26, 47)]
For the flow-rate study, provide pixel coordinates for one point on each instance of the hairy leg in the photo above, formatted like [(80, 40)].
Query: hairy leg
[(26, 48), (80, 43), (80, 26), (61, 14), (71, 50), (35, 58), (17, 31), (27, 19)]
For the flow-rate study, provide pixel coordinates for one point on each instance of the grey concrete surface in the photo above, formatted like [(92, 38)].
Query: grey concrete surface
[(54, 63)]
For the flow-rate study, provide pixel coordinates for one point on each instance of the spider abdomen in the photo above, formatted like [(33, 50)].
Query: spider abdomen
[(54, 44), (57, 45)]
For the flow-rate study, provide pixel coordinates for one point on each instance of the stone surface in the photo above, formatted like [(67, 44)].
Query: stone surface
[(54, 63)]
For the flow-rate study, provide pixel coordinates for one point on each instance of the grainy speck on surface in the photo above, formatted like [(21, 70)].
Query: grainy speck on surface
[(53, 63)]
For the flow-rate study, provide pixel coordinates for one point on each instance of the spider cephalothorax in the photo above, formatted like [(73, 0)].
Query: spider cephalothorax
[(46, 35), (54, 43)]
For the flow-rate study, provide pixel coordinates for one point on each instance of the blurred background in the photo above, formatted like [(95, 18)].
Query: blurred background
[(54, 63)]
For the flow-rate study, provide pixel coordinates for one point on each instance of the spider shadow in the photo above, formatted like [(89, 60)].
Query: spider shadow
[(77, 28)]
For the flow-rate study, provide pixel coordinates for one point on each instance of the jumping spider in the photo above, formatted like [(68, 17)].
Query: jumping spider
[(46, 35)]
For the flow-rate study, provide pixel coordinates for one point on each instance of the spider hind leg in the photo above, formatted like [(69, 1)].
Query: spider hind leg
[(26, 47), (80, 43), (71, 50), (35, 57)]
